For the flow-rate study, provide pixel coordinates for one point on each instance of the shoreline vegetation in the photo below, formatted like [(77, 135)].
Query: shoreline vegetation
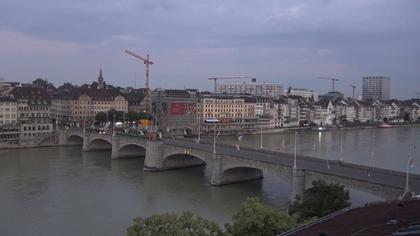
[(253, 217)]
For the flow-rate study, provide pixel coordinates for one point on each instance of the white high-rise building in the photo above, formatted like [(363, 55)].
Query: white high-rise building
[(376, 87), (254, 88)]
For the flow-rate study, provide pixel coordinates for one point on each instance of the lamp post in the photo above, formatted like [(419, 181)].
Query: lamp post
[(341, 145), (261, 136), (214, 140), (294, 153), (113, 124), (407, 175), (199, 128)]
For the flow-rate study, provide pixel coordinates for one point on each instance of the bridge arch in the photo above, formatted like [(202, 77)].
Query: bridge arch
[(75, 139), (240, 174), (183, 160), (131, 150), (99, 143)]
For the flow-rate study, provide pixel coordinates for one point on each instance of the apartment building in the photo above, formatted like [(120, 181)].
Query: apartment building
[(376, 87), (252, 88), (33, 112), (8, 110), (78, 106)]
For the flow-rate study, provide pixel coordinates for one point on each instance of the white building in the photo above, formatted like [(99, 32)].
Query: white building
[(306, 93), (254, 88)]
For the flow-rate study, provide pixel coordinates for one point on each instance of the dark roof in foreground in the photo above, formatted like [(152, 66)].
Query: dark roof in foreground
[(383, 218)]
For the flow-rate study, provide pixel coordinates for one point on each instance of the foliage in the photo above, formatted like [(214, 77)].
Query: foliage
[(406, 116), (320, 200), (134, 116), (100, 117), (256, 218), (172, 224)]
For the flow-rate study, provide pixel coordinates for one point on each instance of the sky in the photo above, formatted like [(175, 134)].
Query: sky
[(288, 42)]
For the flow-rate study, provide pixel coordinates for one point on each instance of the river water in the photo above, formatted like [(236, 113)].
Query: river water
[(63, 191)]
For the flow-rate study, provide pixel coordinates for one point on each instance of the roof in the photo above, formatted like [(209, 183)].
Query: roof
[(94, 94), (7, 99), (383, 218), (30, 93)]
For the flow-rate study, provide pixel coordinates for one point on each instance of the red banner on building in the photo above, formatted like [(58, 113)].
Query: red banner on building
[(177, 108)]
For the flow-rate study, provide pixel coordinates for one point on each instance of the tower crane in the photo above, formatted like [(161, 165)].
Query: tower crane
[(354, 88), (147, 62), (332, 80), (226, 77)]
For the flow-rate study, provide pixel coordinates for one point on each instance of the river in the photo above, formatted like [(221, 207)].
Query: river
[(63, 191)]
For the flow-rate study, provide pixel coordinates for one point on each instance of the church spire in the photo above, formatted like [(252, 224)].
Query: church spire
[(100, 80)]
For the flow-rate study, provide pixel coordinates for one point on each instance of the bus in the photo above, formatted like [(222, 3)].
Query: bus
[(211, 121)]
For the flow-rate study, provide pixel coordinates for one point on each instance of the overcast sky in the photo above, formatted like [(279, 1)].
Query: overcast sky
[(286, 42)]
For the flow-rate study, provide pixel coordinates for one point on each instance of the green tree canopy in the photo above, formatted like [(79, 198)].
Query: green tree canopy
[(255, 218), (320, 200), (100, 117), (185, 224)]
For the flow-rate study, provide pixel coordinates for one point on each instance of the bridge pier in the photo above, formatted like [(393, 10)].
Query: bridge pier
[(154, 156), (115, 147), (62, 137), (85, 147), (216, 176), (298, 186)]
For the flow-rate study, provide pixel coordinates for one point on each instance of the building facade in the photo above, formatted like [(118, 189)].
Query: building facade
[(254, 88), (376, 87), (33, 113), (79, 106), (175, 110), (8, 110)]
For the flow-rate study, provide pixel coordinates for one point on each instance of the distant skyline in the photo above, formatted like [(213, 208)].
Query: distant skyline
[(287, 42)]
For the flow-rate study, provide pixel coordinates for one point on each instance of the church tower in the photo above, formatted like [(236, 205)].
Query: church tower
[(100, 80)]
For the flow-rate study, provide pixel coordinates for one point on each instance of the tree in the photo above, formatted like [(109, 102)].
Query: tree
[(256, 218), (320, 200), (100, 117), (406, 117), (172, 224), (134, 116), (40, 83)]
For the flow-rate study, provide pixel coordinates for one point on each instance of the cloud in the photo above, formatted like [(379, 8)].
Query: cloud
[(212, 37)]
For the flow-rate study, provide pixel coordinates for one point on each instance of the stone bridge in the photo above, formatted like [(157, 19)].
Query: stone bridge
[(229, 165)]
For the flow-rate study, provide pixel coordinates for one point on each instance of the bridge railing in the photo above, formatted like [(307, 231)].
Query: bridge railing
[(272, 153)]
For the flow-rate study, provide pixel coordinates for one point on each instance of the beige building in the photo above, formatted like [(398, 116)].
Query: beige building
[(234, 113), (80, 105), (8, 110), (33, 112)]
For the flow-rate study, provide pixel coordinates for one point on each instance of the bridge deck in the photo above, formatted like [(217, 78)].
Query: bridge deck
[(362, 173)]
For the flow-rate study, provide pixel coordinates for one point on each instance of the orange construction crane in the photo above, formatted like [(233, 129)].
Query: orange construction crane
[(226, 77), (332, 80), (147, 62), (354, 88)]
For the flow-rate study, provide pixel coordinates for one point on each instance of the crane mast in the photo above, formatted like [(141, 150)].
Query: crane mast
[(354, 88), (332, 80), (147, 62)]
